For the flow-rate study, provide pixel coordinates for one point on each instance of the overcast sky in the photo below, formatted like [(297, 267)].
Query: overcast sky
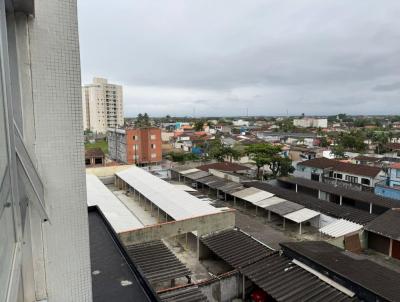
[(219, 57)]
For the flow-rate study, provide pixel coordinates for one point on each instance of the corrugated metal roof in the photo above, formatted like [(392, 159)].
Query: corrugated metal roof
[(284, 208), (156, 261), (246, 192), (387, 224), (269, 202), (231, 187), (189, 293), (302, 215), (184, 188), (117, 214), (362, 196), (340, 228), (343, 266), (193, 170), (278, 276), (235, 247), (197, 175), (176, 203), (208, 179), (328, 208), (261, 195)]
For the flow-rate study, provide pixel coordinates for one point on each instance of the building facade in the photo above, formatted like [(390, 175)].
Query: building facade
[(44, 238), (311, 122), (352, 176), (102, 106), (390, 187), (141, 146)]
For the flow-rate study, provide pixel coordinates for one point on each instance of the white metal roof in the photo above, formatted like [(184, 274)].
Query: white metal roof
[(258, 196), (184, 188), (189, 171), (176, 203), (301, 215), (117, 214), (269, 201), (340, 228), (246, 192)]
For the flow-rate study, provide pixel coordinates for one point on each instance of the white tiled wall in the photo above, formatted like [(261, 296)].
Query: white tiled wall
[(59, 150)]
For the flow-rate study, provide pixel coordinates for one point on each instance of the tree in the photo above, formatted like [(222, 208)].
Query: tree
[(338, 151), (268, 154), (198, 125), (323, 142), (142, 120), (231, 153)]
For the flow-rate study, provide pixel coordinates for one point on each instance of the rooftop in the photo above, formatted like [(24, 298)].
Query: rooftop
[(224, 166), (325, 207), (346, 267), (114, 276), (176, 203), (325, 163), (387, 224), (362, 196)]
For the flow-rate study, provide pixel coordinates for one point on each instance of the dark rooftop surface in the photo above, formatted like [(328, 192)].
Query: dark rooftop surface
[(347, 267), (189, 293), (325, 207), (114, 277), (94, 152), (284, 207), (362, 196), (387, 224), (367, 158), (235, 247), (156, 261), (285, 281), (325, 163), (224, 166)]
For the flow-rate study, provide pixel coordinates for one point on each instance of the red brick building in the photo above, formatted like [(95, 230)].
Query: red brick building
[(141, 146)]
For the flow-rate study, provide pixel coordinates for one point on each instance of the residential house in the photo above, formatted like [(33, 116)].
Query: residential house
[(390, 187), (359, 177), (94, 157)]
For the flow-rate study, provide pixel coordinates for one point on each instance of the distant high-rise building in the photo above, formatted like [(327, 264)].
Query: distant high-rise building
[(308, 122), (102, 105), (44, 236)]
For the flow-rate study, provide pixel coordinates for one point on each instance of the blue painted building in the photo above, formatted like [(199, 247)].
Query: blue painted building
[(390, 187)]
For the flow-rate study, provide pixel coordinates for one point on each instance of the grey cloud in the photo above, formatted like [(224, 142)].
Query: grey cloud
[(309, 56), (387, 87)]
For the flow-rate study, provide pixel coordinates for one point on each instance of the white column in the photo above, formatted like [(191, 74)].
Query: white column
[(300, 228), (370, 208), (296, 188), (341, 200), (390, 247)]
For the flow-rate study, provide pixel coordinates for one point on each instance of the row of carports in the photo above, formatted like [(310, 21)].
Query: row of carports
[(266, 201)]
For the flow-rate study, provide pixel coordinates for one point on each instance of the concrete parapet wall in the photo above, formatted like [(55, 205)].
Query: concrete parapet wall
[(201, 224)]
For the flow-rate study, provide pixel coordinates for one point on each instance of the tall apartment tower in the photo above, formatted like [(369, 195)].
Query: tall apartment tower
[(44, 236), (102, 106)]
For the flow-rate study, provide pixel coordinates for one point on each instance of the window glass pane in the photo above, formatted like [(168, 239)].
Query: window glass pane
[(7, 234), (6, 249)]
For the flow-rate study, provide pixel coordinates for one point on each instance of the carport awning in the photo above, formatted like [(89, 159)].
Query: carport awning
[(269, 202), (196, 175), (284, 208), (340, 228), (302, 215), (254, 198), (189, 171), (245, 192)]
